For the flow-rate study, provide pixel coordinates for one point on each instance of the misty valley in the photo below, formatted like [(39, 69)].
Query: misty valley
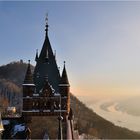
[(124, 113)]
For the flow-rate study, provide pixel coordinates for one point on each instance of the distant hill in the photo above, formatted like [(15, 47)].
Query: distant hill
[(14, 72), (88, 122)]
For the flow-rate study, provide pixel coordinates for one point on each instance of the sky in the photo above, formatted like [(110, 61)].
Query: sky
[(99, 40)]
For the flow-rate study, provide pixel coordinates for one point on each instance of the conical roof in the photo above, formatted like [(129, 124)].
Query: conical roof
[(46, 51), (46, 65), (28, 76), (64, 78)]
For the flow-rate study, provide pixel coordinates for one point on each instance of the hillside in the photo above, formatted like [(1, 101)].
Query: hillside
[(11, 77)]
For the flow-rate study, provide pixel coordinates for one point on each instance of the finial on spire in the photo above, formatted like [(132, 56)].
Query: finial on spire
[(46, 19)]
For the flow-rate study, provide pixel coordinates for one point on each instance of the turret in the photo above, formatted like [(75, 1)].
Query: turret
[(28, 84), (64, 86), (64, 90), (28, 89)]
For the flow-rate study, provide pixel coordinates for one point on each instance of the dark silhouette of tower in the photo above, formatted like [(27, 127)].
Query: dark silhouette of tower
[(46, 65), (64, 88), (45, 92)]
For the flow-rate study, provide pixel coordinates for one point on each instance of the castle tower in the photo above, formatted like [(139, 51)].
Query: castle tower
[(46, 65), (64, 89), (28, 90), (46, 93)]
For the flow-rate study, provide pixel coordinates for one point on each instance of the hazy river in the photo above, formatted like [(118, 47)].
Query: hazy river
[(117, 117)]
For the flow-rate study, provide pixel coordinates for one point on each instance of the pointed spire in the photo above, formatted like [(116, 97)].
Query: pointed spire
[(46, 52), (46, 64), (46, 24), (36, 57), (28, 76), (64, 78)]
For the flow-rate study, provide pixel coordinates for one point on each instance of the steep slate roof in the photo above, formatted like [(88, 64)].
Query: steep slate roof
[(46, 65), (28, 76), (64, 78)]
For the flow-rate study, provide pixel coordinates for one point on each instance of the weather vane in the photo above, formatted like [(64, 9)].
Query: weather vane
[(46, 19)]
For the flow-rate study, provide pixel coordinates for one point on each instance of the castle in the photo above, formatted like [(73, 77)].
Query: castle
[(46, 92)]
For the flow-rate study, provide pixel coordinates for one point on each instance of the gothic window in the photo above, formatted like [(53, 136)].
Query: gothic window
[(56, 105), (33, 105), (44, 104), (64, 105)]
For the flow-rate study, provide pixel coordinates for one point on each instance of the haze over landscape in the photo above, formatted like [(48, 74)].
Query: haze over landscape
[(100, 42)]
